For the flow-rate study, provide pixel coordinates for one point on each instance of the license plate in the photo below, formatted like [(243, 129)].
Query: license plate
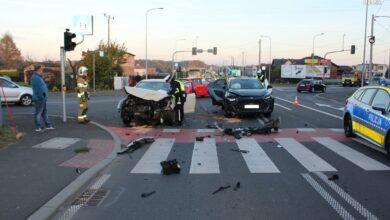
[(251, 106)]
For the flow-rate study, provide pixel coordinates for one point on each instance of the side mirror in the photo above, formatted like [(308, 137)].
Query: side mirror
[(379, 107)]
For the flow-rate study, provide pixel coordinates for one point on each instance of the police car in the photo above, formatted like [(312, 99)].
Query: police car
[(367, 115)]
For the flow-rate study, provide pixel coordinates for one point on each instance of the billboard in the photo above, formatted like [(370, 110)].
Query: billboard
[(303, 71)]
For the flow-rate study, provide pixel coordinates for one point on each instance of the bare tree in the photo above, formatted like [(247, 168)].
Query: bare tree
[(10, 55)]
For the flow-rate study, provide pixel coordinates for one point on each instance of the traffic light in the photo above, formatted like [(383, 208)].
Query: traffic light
[(215, 50), (352, 49), (194, 51), (69, 45)]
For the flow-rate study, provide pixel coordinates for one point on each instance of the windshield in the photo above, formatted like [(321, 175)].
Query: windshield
[(245, 84), (153, 85)]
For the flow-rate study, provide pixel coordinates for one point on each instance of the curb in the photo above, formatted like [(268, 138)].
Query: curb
[(52, 206)]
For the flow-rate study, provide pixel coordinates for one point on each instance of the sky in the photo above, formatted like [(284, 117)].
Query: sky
[(235, 27)]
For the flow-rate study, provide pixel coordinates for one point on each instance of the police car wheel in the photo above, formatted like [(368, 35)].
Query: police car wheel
[(348, 126), (387, 146)]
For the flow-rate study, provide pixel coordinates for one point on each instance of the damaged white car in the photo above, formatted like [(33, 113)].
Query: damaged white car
[(149, 102)]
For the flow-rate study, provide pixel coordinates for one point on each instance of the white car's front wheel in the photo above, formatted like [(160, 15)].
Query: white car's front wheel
[(26, 100)]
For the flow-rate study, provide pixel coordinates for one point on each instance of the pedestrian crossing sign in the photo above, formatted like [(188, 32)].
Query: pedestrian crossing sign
[(83, 25)]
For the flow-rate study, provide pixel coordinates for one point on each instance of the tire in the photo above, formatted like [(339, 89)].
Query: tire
[(348, 126), (387, 146), (25, 100), (299, 91), (311, 90), (268, 114), (323, 90)]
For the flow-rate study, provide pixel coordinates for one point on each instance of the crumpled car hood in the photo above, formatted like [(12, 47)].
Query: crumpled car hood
[(147, 94)]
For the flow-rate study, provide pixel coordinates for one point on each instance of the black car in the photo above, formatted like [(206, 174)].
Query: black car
[(311, 85), (241, 96)]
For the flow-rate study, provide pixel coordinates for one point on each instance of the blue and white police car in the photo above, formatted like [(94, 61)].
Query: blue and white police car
[(367, 115)]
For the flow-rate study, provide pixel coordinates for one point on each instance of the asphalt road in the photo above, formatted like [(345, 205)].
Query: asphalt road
[(283, 176)]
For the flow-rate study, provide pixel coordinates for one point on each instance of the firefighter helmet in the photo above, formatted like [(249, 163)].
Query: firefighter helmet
[(83, 71)]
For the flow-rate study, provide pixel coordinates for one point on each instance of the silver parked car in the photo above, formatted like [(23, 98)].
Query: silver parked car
[(14, 92)]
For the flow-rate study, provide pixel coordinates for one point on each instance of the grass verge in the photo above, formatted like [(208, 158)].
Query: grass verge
[(82, 150), (6, 136)]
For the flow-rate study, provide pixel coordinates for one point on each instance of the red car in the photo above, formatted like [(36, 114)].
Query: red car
[(195, 85)]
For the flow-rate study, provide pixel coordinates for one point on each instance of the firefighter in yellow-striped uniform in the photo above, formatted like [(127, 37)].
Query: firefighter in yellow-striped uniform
[(178, 92), (82, 94)]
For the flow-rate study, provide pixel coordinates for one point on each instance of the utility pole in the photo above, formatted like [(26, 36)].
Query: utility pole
[(109, 18), (259, 53), (372, 41), (364, 47)]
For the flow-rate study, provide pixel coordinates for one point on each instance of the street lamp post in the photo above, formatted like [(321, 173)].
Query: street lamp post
[(270, 58), (109, 18), (259, 53), (146, 38), (312, 54)]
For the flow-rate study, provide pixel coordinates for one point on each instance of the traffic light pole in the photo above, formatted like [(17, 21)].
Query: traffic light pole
[(63, 88)]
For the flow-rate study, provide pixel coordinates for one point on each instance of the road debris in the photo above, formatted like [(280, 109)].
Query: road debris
[(199, 138), (334, 177), (137, 144), (144, 195), (272, 124), (78, 170), (221, 188), (170, 166), (238, 185), (241, 151)]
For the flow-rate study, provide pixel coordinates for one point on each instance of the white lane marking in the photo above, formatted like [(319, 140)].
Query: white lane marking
[(206, 130), (313, 109), (349, 199), (282, 106), (256, 159), (359, 159), (72, 210), (174, 130), (306, 129), (329, 106), (337, 129), (306, 157), (57, 143), (204, 157), (157, 152), (331, 201)]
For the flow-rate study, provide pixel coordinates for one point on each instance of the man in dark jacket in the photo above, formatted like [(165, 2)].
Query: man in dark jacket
[(39, 98), (178, 92)]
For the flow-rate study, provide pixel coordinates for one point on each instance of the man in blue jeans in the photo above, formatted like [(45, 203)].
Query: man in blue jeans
[(39, 98)]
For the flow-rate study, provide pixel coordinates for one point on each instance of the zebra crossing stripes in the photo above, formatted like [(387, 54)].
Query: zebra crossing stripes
[(157, 152), (256, 159), (204, 157), (307, 158), (359, 159)]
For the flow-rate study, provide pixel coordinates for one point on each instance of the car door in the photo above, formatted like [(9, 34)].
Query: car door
[(360, 113), (379, 120), (11, 90), (217, 90)]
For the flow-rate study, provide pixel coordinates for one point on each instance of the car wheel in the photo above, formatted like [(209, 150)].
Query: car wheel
[(311, 90), (268, 114), (26, 100), (298, 90), (387, 146), (323, 90), (348, 126)]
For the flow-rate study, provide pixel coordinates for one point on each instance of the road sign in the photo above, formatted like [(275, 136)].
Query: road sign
[(311, 61), (83, 25)]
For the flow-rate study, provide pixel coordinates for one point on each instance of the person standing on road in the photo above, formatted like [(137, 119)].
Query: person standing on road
[(178, 92), (82, 95), (40, 93)]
